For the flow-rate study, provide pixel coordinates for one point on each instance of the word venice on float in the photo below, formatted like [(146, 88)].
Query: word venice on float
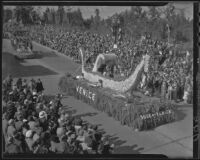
[(86, 93)]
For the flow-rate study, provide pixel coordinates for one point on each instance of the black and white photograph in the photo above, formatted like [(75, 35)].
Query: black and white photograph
[(98, 79)]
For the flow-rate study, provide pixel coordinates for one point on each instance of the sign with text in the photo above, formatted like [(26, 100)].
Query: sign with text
[(85, 92)]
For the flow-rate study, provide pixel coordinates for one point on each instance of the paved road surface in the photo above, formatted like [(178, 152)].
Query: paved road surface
[(173, 139)]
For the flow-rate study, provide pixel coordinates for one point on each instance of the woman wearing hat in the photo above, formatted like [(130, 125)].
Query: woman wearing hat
[(29, 140)]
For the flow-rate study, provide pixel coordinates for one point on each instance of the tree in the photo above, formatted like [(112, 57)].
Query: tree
[(97, 18), (35, 17), (23, 13), (67, 14), (79, 17), (169, 12), (53, 16), (45, 16), (136, 12), (7, 15), (153, 12), (75, 18), (39, 12), (61, 13), (18, 13)]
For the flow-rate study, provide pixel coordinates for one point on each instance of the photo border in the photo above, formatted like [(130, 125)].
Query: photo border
[(196, 75)]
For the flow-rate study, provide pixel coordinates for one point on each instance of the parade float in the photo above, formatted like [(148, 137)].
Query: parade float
[(117, 98), (21, 42)]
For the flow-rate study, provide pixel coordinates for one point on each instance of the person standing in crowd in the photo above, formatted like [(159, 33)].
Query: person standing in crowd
[(8, 82), (19, 83), (11, 128), (186, 89), (163, 90), (11, 147), (29, 140), (169, 92), (24, 83), (4, 130), (32, 85), (39, 86)]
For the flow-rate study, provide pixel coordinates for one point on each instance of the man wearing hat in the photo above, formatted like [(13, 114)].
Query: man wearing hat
[(43, 120), (34, 94)]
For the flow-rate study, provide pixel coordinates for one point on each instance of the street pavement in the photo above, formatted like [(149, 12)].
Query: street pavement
[(174, 140)]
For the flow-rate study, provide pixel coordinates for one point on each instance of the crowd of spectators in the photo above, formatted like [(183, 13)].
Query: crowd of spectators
[(34, 123), (169, 68)]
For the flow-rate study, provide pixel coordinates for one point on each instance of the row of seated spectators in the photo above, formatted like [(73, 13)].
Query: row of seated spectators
[(37, 124)]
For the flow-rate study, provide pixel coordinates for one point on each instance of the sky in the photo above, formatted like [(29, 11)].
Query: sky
[(107, 11)]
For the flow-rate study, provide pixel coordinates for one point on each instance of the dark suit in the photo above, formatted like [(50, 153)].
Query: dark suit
[(39, 87)]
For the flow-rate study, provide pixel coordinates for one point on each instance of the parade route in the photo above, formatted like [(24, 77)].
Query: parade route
[(174, 140)]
